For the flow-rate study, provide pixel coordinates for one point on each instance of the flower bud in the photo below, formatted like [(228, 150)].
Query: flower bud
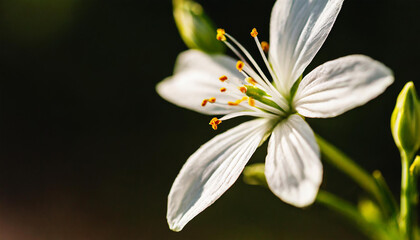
[(254, 174), (415, 166), (369, 210), (196, 29), (405, 120)]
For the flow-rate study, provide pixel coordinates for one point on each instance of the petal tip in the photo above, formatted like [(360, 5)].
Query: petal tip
[(175, 227), (304, 197)]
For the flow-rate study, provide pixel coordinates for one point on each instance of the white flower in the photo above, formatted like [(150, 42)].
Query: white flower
[(293, 169)]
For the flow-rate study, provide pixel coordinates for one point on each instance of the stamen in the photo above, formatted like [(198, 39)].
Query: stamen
[(251, 102), (265, 81), (273, 75), (242, 89), (254, 113), (221, 35), (204, 102), (251, 80), (223, 78), (248, 55), (254, 32), (261, 49), (221, 31), (236, 52), (265, 46), (214, 122), (259, 74), (223, 89), (239, 66), (212, 100), (237, 102)]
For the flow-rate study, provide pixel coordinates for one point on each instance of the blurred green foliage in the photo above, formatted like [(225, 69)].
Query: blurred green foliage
[(32, 21)]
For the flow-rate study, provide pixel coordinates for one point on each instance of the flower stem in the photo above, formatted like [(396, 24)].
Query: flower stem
[(360, 176), (408, 197), (351, 213)]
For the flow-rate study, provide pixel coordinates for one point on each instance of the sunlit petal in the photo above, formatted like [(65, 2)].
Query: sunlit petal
[(211, 170), (196, 77), (293, 168), (340, 85), (298, 28)]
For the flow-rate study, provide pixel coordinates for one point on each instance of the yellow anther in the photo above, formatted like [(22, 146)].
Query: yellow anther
[(223, 89), (223, 78), (221, 31), (204, 102), (251, 80), (237, 102), (251, 102), (254, 32), (212, 100), (221, 35), (239, 66), (242, 89), (265, 46), (214, 122)]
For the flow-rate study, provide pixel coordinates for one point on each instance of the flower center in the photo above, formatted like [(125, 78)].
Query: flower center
[(255, 88)]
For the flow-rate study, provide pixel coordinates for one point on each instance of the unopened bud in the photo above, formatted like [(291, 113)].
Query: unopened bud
[(405, 120), (254, 174), (195, 27)]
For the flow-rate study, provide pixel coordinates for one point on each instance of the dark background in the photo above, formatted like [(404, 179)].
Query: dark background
[(88, 150)]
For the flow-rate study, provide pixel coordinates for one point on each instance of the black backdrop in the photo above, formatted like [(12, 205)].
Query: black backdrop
[(89, 150)]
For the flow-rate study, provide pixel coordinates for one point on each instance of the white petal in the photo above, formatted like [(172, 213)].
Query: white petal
[(298, 28), (293, 168), (196, 77), (340, 85), (211, 170)]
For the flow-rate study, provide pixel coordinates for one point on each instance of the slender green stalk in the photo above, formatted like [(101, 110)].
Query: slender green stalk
[(387, 194), (408, 195), (358, 174), (351, 213), (375, 229)]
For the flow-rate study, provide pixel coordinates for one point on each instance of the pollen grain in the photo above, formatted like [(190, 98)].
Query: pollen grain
[(223, 78), (265, 46), (254, 32), (214, 122), (251, 80), (221, 34), (240, 66), (251, 102), (237, 102)]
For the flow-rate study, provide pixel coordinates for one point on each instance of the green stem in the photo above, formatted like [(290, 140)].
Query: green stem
[(388, 197), (351, 213), (358, 174), (408, 195)]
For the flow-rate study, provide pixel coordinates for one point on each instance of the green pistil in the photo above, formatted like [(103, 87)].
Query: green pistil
[(295, 88), (261, 96)]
